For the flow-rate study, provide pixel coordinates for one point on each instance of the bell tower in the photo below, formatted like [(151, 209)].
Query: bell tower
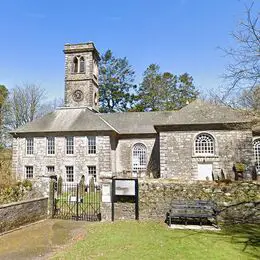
[(81, 75)]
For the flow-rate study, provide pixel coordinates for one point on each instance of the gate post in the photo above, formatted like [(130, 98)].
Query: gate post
[(77, 202), (51, 199)]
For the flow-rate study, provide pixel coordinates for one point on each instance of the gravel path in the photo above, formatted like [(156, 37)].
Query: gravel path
[(41, 240)]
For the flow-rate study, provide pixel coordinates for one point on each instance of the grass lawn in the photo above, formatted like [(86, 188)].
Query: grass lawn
[(153, 240)]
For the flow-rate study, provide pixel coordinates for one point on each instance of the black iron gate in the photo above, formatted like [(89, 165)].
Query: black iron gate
[(77, 202)]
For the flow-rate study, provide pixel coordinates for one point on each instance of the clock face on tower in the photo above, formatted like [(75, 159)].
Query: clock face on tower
[(77, 95)]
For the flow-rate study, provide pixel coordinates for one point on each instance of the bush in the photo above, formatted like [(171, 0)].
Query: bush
[(14, 192), (240, 167), (27, 184)]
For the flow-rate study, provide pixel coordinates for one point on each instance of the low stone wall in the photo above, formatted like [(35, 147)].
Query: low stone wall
[(16, 214), (238, 200)]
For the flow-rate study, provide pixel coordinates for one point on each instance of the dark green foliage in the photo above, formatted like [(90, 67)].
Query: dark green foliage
[(164, 91), (3, 95), (3, 98), (116, 86), (59, 186)]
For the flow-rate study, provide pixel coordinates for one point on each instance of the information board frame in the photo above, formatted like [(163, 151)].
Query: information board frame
[(126, 189)]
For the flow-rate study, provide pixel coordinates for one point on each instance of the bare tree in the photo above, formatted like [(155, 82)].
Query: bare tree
[(250, 99), (23, 105), (50, 106), (244, 70)]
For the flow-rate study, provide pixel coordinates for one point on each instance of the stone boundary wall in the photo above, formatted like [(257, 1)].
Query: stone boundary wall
[(238, 200), (16, 214)]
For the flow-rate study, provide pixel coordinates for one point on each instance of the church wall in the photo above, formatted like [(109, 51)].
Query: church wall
[(178, 160), (124, 154), (80, 159)]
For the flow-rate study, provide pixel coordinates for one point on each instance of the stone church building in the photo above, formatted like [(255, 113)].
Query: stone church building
[(198, 142)]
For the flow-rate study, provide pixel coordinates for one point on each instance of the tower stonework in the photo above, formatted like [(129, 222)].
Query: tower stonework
[(81, 75)]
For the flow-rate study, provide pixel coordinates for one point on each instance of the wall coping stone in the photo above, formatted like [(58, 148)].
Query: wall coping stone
[(210, 183), (22, 202)]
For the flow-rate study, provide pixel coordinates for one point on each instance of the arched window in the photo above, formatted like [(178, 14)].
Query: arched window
[(257, 154), (139, 157), (81, 65), (78, 64), (204, 144), (75, 65)]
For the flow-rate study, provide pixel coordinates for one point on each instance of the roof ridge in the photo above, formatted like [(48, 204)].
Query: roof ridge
[(108, 124)]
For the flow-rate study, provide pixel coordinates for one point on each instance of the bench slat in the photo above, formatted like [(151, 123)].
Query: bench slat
[(200, 209)]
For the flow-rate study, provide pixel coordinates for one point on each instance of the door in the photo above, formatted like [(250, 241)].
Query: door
[(205, 171)]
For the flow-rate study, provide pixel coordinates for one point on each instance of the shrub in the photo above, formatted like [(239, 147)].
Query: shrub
[(15, 192), (27, 184), (240, 167)]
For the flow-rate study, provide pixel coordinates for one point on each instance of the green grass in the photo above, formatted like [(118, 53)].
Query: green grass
[(153, 240), (89, 200)]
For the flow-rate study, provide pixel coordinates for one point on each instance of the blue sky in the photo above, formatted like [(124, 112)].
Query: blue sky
[(179, 35)]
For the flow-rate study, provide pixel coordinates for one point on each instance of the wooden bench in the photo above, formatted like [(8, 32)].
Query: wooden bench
[(196, 210)]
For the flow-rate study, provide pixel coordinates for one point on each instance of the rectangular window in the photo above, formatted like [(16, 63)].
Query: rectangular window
[(28, 172), (29, 145), (91, 144), (70, 145), (92, 171), (50, 145), (50, 170), (69, 174)]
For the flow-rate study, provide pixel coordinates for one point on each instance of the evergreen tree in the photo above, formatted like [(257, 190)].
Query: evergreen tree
[(164, 91), (116, 86)]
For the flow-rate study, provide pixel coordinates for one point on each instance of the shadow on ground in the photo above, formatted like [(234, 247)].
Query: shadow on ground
[(41, 240), (246, 234)]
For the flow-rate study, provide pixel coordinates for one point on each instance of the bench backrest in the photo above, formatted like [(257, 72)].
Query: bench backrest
[(192, 206)]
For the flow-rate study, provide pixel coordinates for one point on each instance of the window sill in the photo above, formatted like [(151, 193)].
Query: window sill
[(77, 73), (205, 156)]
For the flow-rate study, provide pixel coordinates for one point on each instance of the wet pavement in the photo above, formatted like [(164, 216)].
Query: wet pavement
[(41, 240)]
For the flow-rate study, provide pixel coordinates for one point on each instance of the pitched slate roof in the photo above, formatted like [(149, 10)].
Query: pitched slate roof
[(256, 129), (136, 122), (83, 119), (201, 112), (66, 120)]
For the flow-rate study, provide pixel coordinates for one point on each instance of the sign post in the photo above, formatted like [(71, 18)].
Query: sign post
[(127, 190)]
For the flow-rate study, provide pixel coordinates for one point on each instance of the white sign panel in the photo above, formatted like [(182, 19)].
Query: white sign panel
[(125, 187), (74, 199), (106, 192)]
